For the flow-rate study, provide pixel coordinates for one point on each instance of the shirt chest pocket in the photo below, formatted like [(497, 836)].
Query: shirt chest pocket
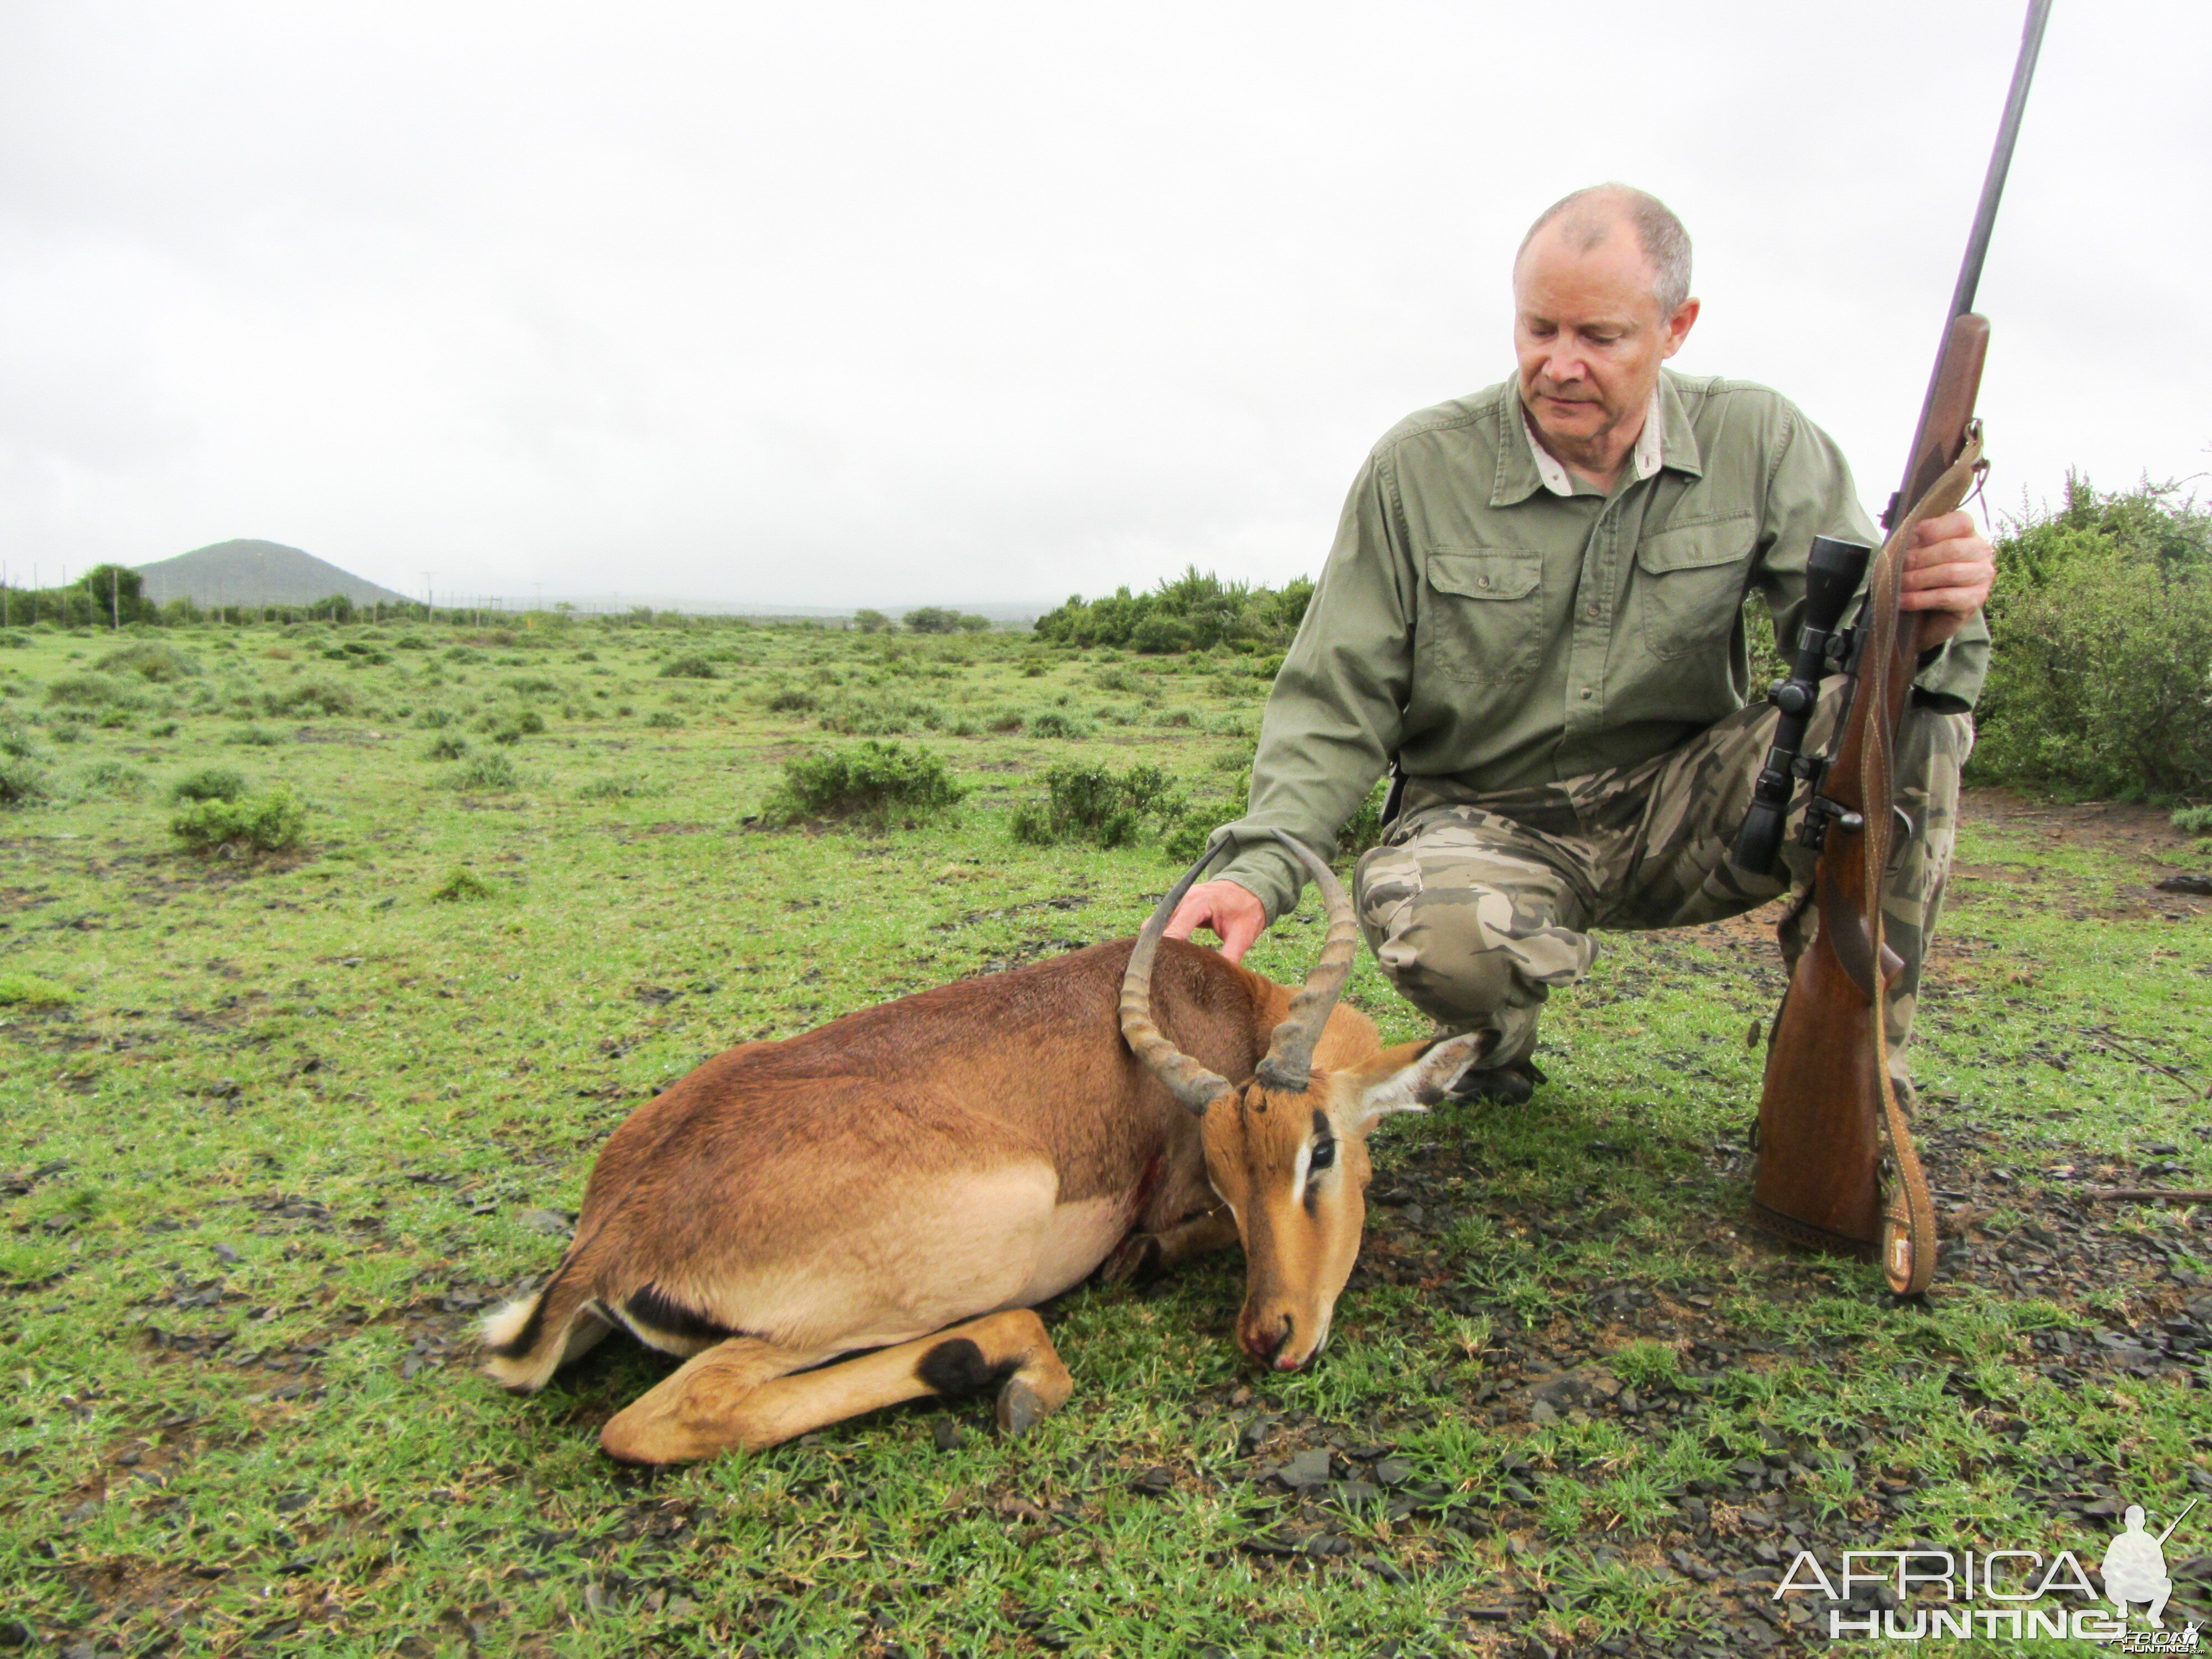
[(1484, 614), (1691, 580)]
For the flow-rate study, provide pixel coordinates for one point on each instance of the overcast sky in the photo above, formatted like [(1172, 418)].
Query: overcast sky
[(890, 304)]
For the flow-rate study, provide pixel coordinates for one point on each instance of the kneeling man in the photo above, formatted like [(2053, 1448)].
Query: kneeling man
[(1534, 605)]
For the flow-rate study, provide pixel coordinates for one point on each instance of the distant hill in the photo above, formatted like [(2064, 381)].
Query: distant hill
[(256, 573)]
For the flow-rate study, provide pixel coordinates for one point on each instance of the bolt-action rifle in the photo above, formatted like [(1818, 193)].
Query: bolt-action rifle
[(1828, 1099)]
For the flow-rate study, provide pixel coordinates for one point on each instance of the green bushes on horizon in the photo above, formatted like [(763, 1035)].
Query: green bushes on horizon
[(2100, 671)]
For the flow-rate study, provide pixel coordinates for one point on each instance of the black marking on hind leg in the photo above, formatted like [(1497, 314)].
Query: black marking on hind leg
[(525, 1338), (956, 1366), (650, 1305)]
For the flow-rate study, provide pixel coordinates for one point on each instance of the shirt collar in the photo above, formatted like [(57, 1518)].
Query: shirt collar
[(1527, 466)]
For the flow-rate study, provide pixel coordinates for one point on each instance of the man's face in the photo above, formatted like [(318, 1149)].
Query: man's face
[(1590, 336)]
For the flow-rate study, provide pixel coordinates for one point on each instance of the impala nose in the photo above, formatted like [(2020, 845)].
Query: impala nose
[(1265, 1345)]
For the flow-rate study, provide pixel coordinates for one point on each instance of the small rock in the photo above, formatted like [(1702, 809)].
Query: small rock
[(1154, 1481), (15, 1634), (1353, 1492), (554, 1223), (1255, 1434), (1394, 1471), (946, 1434), (1308, 1468), (228, 1256), (682, 1607), (1385, 1570), (1326, 1543), (2191, 882), (1541, 1411)]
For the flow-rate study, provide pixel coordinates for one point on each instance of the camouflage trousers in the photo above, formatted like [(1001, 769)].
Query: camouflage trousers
[(1477, 904)]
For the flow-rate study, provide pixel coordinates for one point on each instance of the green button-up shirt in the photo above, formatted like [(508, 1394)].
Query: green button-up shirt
[(1479, 626)]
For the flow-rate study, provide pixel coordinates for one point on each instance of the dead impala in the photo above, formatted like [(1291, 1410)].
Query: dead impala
[(869, 1212)]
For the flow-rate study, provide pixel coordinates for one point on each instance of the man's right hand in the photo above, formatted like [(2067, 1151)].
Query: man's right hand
[(1233, 912)]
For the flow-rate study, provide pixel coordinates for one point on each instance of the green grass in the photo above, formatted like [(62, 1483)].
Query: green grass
[(293, 1122)]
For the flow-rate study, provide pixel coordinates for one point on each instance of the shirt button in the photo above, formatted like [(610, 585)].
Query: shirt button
[(1591, 613), (1482, 581), (1588, 694)]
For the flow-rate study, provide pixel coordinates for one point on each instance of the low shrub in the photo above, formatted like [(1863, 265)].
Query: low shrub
[(885, 718), (1057, 723), (1103, 807), (688, 668), (662, 719), (274, 822), (451, 746), (255, 737), (792, 700), (516, 725), (461, 887), (153, 660), (2194, 820), (209, 783), (434, 719), (115, 779), (532, 685), (488, 773), (872, 782), (83, 691), (311, 697), (625, 787), (2100, 671), (22, 781)]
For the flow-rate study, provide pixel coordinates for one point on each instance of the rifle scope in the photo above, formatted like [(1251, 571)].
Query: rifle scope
[(1832, 575)]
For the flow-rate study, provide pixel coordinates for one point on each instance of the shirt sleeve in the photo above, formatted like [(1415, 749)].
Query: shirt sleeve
[(1810, 492), (1336, 713)]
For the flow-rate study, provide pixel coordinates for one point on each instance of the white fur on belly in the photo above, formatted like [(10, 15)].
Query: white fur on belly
[(1076, 1238)]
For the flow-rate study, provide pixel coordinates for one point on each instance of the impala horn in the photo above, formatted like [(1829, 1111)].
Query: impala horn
[(1289, 1064)]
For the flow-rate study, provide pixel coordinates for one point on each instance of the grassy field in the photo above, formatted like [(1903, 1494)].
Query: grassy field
[(276, 1129)]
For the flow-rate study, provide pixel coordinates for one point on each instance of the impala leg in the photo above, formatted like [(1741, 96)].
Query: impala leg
[(753, 1393), (1144, 1257)]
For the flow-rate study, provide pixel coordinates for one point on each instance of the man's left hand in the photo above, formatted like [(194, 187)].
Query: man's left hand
[(1948, 573)]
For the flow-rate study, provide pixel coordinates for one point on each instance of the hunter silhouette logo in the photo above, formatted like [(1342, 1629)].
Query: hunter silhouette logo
[(1997, 1593), (2134, 1566)]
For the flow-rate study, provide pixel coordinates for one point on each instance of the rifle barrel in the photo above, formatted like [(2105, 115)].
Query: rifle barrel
[(1993, 183), (2175, 1522)]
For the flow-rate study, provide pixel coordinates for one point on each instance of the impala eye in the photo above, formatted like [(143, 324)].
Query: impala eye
[(1324, 1154)]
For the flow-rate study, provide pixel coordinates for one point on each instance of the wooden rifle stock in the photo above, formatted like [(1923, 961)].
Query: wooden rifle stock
[(1818, 1180)]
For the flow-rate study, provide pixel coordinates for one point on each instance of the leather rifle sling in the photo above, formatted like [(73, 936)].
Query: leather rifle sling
[(1908, 1230)]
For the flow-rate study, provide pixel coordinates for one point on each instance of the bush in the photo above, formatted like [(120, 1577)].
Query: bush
[(1054, 723), (1193, 610), (255, 737), (489, 773), (459, 888), (532, 685), (83, 691), (516, 725), (153, 661), (792, 700), (1104, 808), (2194, 820), (889, 717), (209, 783), (877, 783), (274, 822), (2101, 676), (314, 697), (935, 619), (22, 781), (662, 720), (448, 747), (688, 668), (114, 778), (627, 787)]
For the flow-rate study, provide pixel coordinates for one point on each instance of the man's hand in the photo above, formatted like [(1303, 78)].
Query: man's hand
[(1947, 572), (1233, 912)]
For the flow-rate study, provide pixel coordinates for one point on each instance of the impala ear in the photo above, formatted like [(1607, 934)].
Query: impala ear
[(1414, 1076)]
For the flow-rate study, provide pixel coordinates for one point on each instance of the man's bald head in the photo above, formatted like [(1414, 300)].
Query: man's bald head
[(1586, 218)]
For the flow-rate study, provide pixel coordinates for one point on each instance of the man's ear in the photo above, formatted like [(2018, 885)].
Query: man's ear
[(1414, 1076), (1678, 327)]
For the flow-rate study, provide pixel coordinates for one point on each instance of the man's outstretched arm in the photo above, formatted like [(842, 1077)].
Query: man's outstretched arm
[(1332, 719)]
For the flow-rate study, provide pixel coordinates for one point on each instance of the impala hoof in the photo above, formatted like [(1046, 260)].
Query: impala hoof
[(1019, 1407)]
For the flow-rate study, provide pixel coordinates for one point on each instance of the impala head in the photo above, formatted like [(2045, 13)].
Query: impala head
[(1287, 1148)]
